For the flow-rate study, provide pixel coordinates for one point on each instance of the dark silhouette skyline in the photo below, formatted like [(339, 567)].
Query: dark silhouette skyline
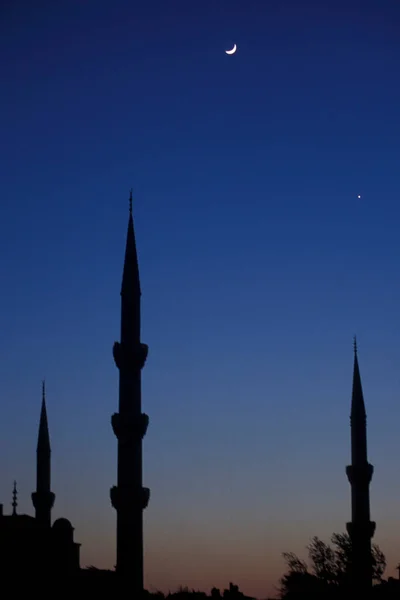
[(40, 547), (34, 546), (266, 222), (329, 573)]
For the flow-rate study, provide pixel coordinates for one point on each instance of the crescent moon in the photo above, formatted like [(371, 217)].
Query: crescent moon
[(231, 51)]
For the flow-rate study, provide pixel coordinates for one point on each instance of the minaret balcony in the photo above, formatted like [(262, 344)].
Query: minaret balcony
[(145, 497), (362, 529), (127, 358), (360, 474), (43, 500), (129, 428), (127, 498)]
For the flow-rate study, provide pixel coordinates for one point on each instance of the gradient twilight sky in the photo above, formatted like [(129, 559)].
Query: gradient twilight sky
[(258, 264)]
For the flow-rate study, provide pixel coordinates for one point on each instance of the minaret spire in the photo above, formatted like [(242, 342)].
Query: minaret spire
[(44, 436), (361, 529), (43, 498), (129, 497), (130, 276), (14, 502)]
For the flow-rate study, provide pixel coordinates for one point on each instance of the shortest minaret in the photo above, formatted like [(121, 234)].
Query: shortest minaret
[(14, 502), (361, 529), (43, 498)]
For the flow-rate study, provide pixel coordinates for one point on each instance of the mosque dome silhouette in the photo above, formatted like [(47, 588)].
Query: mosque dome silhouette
[(63, 526)]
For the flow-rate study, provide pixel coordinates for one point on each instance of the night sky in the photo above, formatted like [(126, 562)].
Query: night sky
[(258, 265)]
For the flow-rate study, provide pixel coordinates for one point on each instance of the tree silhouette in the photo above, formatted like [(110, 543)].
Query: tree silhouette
[(329, 568), (342, 544)]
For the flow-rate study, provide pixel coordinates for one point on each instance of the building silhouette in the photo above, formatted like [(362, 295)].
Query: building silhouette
[(35, 545), (32, 545), (129, 497), (360, 529)]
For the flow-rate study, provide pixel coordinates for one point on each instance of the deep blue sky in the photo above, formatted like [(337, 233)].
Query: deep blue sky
[(258, 264)]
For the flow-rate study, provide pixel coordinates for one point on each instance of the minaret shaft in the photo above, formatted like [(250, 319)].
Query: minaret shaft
[(361, 529), (43, 471), (129, 497), (130, 323), (359, 442)]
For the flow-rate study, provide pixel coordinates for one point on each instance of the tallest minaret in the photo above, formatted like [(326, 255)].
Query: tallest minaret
[(129, 497), (361, 529)]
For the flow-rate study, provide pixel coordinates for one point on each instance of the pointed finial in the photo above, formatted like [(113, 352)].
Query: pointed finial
[(130, 203), (14, 503), (355, 345), (44, 390)]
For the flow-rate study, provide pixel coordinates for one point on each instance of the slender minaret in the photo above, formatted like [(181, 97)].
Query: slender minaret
[(129, 497), (361, 529), (43, 498), (14, 502)]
